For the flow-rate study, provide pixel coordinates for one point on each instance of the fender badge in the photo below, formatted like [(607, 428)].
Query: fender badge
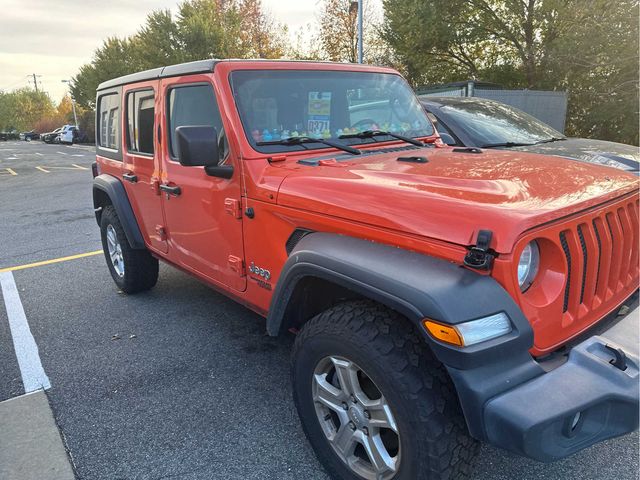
[(266, 274)]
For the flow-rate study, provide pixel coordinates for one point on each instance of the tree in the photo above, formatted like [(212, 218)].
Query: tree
[(201, 29), (587, 47), (22, 108), (338, 32)]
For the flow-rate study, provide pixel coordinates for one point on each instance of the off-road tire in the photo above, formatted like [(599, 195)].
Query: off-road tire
[(435, 443), (140, 268)]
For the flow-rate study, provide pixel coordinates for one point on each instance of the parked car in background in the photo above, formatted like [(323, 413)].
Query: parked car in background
[(478, 122), (69, 134), (9, 135), (28, 136), (51, 137)]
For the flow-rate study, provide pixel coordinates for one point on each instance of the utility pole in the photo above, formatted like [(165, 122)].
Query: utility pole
[(35, 80), (73, 102), (360, 30), (356, 7)]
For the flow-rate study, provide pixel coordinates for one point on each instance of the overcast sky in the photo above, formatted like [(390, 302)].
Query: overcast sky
[(54, 38)]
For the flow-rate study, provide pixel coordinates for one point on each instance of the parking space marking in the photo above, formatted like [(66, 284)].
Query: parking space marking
[(80, 167), (8, 171), (33, 375), (43, 170), (39, 154), (49, 262), (77, 155), (62, 153)]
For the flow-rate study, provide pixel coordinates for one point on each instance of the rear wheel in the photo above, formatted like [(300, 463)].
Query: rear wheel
[(373, 401), (133, 270)]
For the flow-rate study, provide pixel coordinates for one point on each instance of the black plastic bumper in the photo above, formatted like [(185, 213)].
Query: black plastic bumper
[(584, 401)]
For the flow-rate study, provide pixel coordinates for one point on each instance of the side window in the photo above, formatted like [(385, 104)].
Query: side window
[(109, 118), (140, 116), (195, 105)]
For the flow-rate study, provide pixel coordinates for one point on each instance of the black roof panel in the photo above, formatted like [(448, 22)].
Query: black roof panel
[(200, 66)]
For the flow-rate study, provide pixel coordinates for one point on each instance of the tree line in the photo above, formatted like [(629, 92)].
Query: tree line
[(588, 48)]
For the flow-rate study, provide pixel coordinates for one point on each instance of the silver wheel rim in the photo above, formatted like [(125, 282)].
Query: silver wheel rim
[(356, 419), (115, 251)]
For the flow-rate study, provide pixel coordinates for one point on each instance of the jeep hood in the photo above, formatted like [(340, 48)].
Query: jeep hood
[(453, 195)]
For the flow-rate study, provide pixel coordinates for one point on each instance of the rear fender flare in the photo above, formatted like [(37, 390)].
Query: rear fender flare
[(113, 188)]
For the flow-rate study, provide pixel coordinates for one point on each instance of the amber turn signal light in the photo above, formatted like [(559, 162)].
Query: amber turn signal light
[(444, 333)]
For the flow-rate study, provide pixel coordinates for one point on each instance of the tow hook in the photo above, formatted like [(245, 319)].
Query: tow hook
[(620, 359), (479, 256)]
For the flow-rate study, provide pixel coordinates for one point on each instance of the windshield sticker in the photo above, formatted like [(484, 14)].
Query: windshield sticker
[(319, 113)]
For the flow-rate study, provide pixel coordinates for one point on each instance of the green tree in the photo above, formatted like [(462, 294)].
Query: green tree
[(587, 47), (200, 29), (22, 108)]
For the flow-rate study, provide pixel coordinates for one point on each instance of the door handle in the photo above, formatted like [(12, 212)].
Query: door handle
[(130, 177), (169, 190)]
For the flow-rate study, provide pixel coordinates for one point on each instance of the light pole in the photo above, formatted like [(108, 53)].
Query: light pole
[(357, 4), (73, 102)]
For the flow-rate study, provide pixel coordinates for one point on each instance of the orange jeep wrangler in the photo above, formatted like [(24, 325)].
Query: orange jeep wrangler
[(440, 296)]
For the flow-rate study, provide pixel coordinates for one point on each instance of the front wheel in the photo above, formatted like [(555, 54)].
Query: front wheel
[(133, 270), (374, 403)]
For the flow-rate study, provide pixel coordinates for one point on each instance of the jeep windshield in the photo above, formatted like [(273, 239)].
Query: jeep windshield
[(329, 105)]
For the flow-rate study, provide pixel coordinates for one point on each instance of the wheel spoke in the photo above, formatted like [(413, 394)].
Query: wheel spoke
[(381, 416), (380, 459), (344, 441), (347, 376), (327, 394)]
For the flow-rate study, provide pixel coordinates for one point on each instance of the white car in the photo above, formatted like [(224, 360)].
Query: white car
[(68, 134)]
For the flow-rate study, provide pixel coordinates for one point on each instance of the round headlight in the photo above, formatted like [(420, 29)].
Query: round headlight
[(528, 265)]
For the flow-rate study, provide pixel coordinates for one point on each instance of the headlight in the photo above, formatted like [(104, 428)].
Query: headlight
[(528, 265)]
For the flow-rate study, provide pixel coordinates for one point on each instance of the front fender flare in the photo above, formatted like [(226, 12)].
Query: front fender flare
[(416, 285), (114, 189)]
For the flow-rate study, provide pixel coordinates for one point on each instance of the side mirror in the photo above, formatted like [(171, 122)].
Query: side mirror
[(198, 147), (447, 139)]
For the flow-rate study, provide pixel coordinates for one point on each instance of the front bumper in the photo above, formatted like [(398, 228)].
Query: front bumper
[(584, 401)]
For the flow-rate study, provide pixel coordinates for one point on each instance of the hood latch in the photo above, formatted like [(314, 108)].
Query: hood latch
[(480, 256)]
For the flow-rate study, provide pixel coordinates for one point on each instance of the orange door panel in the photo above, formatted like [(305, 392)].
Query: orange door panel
[(142, 160), (202, 212)]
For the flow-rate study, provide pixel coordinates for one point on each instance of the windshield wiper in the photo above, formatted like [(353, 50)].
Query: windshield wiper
[(506, 144), (377, 133), (552, 139), (301, 140)]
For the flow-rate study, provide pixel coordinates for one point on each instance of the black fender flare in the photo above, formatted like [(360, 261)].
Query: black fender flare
[(114, 189), (416, 285), (421, 286)]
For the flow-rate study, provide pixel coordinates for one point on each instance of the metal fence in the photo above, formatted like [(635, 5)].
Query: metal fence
[(548, 106)]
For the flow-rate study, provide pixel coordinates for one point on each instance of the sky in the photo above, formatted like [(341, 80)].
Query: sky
[(54, 38)]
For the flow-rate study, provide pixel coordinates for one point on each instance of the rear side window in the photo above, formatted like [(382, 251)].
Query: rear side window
[(195, 105), (140, 115), (109, 121)]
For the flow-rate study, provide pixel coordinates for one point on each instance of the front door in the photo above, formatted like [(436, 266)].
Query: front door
[(202, 213), (142, 161)]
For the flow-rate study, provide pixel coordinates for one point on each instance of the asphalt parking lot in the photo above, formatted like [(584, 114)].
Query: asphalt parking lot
[(178, 382)]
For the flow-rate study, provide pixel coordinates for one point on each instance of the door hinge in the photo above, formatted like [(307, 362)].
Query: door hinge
[(155, 185), (480, 256), (236, 264), (232, 207), (162, 233)]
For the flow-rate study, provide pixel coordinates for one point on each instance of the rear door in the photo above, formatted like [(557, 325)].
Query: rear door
[(142, 160), (203, 218)]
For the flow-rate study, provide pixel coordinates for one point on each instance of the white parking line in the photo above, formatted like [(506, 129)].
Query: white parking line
[(33, 375), (39, 154), (62, 153)]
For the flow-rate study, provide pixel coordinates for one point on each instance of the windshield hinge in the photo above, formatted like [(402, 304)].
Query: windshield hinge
[(480, 256)]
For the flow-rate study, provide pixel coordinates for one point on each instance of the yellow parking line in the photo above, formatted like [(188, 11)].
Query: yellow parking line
[(43, 170), (11, 171), (49, 262)]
